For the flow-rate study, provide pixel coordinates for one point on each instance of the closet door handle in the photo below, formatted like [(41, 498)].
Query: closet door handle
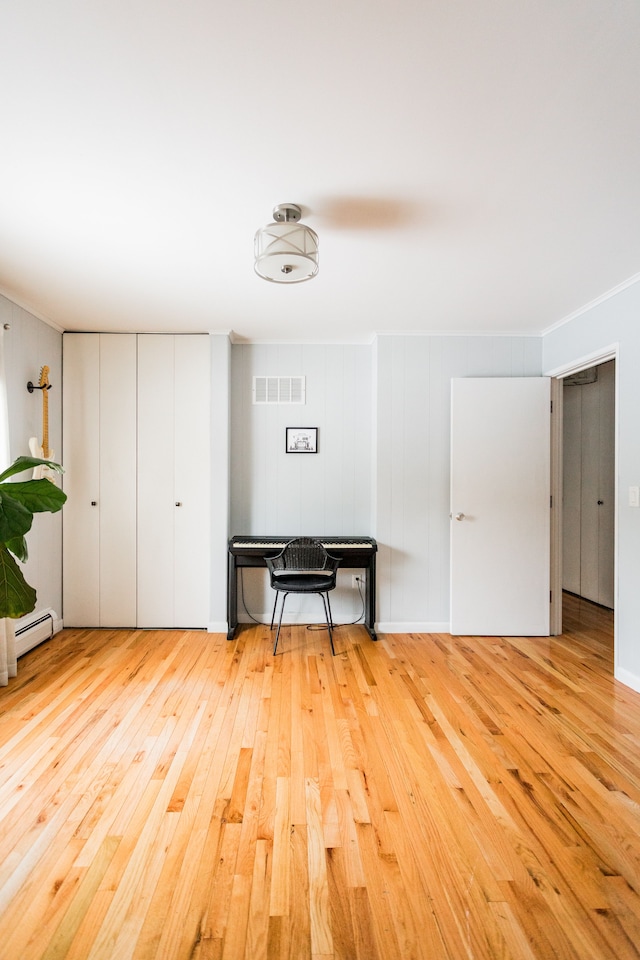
[(178, 503), (94, 503)]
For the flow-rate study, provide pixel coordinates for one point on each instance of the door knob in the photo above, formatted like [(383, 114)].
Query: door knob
[(459, 516), (94, 503), (178, 503)]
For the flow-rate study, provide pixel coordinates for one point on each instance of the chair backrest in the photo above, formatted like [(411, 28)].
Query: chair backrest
[(303, 553)]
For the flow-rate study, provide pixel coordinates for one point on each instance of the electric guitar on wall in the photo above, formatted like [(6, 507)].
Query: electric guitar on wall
[(42, 450)]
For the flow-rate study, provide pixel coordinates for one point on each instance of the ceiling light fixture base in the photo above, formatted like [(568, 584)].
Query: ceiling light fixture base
[(286, 251), (287, 213)]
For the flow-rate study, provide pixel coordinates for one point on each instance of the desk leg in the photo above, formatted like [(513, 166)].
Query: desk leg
[(232, 596), (370, 598)]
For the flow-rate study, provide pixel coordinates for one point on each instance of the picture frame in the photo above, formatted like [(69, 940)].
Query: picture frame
[(301, 440)]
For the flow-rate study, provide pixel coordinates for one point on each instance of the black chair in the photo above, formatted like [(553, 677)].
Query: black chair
[(303, 566)]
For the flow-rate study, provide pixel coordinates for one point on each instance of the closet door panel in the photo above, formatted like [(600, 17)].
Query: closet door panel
[(117, 480), (99, 415), (156, 502), (589, 487), (81, 480), (606, 513), (173, 480), (192, 488), (590, 492), (572, 488)]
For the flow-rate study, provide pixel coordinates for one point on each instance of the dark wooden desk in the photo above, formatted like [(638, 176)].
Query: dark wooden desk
[(354, 553)]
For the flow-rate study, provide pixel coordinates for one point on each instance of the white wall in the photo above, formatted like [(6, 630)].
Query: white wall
[(615, 320), (413, 382), (383, 414), (31, 344), (273, 492)]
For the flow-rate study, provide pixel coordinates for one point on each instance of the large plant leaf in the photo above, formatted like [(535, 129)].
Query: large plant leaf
[(26, 463), (15, 518), (18, 502), (16, 596), (38, 496), (18, 547)]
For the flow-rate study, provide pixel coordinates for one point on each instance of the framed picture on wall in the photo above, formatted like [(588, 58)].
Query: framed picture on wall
[(302, 440)]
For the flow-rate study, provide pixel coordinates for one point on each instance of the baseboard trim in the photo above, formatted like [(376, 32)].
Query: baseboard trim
[(217, 626), (408, 626), (385, 626), (629, 679)]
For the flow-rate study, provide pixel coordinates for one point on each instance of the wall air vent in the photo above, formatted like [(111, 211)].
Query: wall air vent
[(278, 389)]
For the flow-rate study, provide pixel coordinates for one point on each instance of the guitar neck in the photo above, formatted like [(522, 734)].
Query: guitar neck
[(45, 423)]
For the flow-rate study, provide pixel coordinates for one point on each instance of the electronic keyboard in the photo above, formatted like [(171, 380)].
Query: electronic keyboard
[(241, 544)]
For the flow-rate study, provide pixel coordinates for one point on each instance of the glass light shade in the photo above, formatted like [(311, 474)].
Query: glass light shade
[(286, 252)]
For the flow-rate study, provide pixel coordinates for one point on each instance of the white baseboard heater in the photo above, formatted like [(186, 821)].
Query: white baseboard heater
[(34, 629)]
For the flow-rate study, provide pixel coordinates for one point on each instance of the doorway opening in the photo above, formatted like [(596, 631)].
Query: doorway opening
[(588, 484), (585, 482)]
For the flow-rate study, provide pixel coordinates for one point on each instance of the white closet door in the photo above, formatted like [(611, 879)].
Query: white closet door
[(81, 480), (117, 480), (571, 487), (173, 481), (192, 481), (597, 492), (606, 515), (155, 481), (99, 456), (589, 487)]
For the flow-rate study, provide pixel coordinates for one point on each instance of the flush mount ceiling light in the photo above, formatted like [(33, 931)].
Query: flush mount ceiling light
[(286, 251)]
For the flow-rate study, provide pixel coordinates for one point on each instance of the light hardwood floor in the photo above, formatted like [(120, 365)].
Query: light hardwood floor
[(172, 795)]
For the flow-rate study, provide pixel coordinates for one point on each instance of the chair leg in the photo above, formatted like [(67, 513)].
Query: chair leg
[(327, 613), (279, 623), (330, 613), (275, 604)]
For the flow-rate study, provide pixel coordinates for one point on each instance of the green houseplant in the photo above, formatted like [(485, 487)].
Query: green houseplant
[(19, 500)]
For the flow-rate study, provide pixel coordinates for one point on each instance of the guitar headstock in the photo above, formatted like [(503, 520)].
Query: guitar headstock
[(44, 378)]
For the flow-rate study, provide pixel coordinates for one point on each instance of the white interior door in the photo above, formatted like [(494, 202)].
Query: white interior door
[(500, 506)]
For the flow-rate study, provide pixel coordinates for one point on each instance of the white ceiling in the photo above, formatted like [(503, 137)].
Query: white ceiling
[(469, 165)]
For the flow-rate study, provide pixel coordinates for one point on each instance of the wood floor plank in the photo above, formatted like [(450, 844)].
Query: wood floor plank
[(321, 938), (281, 871), (169, 795)]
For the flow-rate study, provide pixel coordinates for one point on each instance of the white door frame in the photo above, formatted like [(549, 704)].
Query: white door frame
[(558, 374)]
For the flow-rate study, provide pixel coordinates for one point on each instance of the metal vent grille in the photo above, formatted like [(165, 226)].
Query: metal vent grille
[(278, 389)]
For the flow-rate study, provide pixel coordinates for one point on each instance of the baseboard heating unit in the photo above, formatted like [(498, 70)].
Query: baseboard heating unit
[(34, 629)]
